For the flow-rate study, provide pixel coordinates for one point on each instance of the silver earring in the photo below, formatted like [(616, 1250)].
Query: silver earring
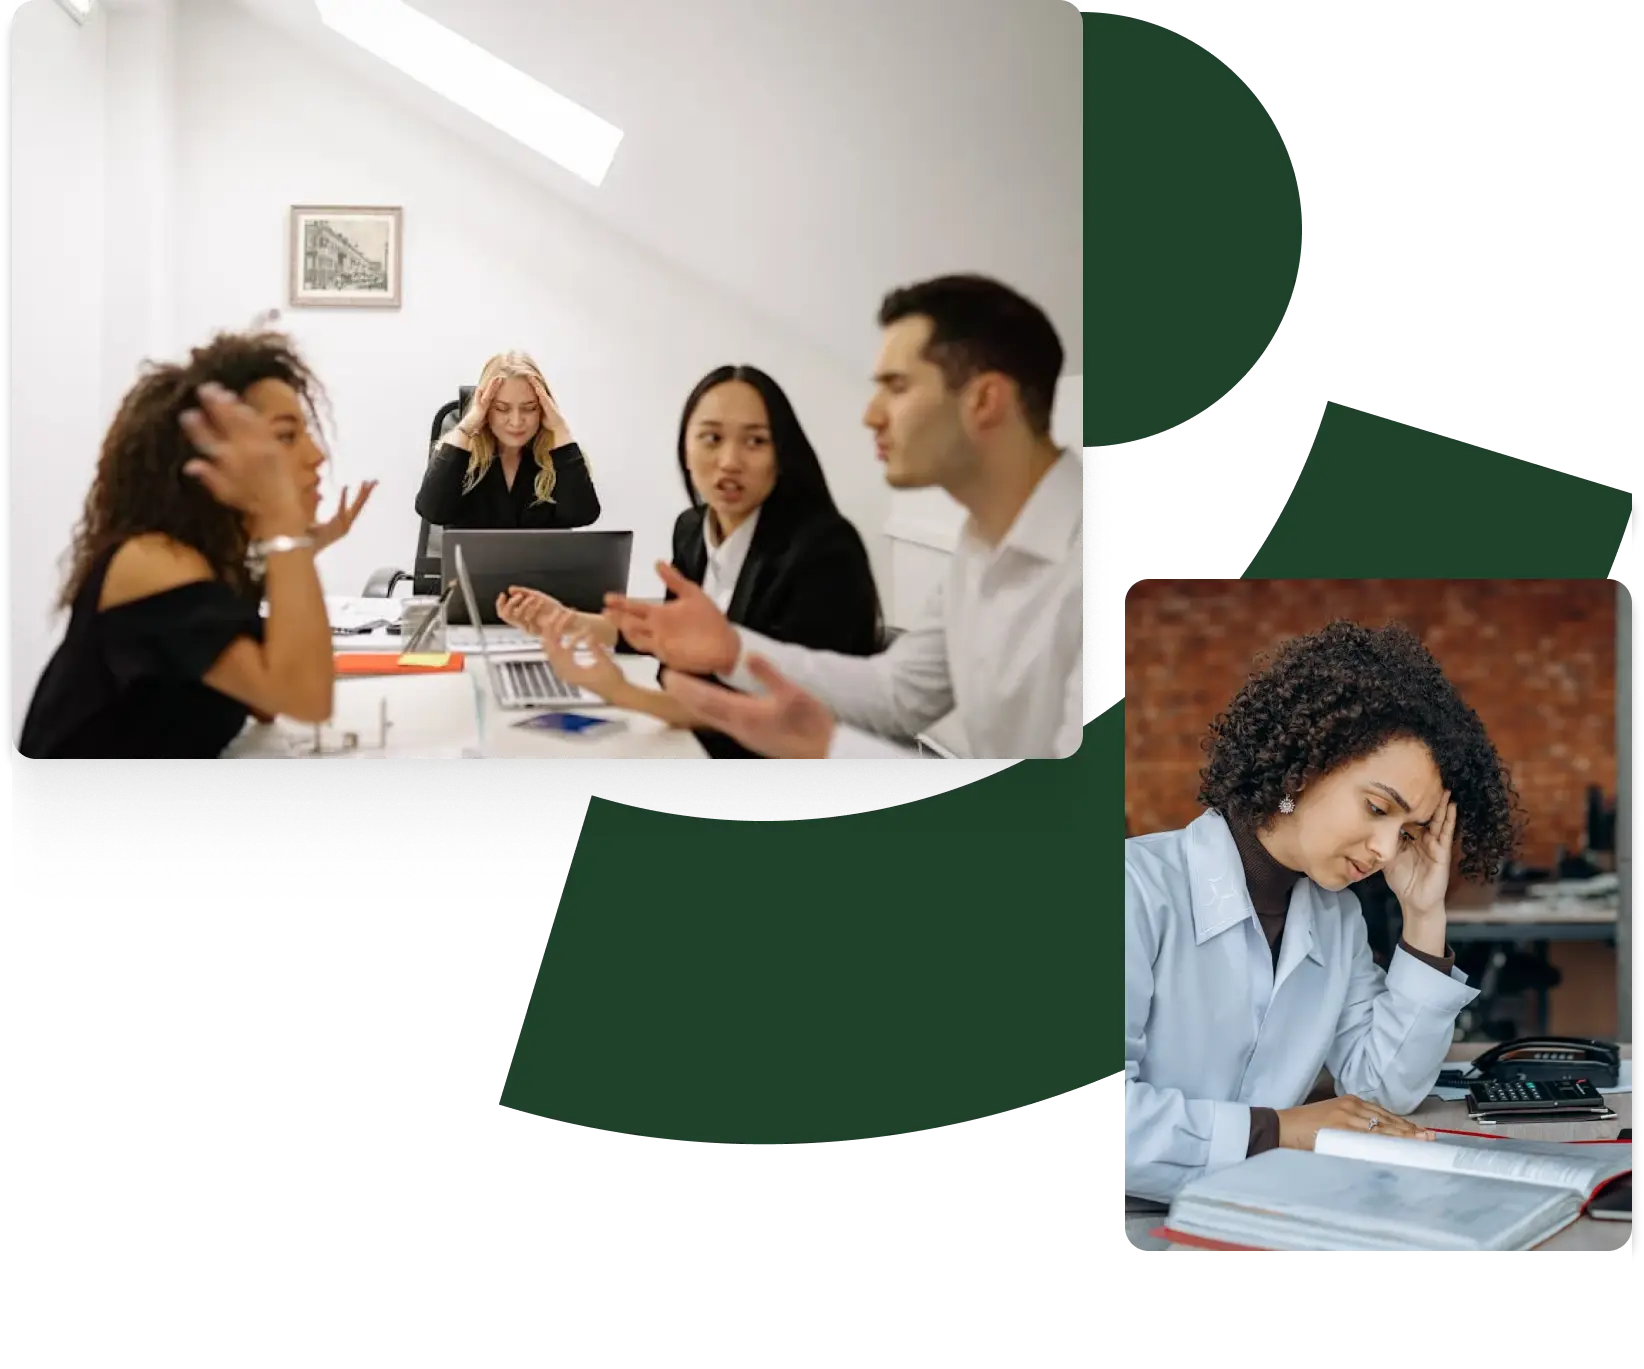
[(1287, 804)]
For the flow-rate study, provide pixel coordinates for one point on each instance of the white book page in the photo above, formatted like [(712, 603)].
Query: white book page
[(1287, 1199), (1577, 1168)]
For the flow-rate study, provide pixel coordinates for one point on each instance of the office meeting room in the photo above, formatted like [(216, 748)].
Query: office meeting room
[(1378, 915), (464, 379)]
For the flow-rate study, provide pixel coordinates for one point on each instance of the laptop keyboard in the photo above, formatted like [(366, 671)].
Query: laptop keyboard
[(533, 682), (463, 637)]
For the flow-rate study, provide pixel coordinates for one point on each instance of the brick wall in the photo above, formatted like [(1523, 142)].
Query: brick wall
[(1535, 658)]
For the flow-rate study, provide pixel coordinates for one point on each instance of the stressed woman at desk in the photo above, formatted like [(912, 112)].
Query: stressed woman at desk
[(203, 504), (762, 537), (479, 475), (1247, 965)]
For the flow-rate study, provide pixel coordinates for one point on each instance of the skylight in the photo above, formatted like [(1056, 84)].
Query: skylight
[(486, 86)]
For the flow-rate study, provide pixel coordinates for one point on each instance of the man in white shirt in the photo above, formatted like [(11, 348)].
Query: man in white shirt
[(963, 389)]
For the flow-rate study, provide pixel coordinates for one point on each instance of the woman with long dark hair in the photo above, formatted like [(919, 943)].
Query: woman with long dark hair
[(203, 505), (762, 536)]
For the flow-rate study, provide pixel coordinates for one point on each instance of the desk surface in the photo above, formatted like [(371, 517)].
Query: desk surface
[(440, 717), (1436, 1114), (1537, 910)]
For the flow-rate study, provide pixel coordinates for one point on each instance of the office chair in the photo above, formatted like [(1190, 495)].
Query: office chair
[(425, 572)]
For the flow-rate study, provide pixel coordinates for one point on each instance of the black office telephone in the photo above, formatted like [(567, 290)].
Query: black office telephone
[(1542, 1059)]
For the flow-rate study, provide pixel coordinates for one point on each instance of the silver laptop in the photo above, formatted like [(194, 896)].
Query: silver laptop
[(525, 683)]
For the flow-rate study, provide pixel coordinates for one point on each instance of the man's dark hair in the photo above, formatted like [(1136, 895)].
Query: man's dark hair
[(1321, 701), (979, 325)]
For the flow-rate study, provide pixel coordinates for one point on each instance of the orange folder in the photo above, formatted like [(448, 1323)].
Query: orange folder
[(387, 663)]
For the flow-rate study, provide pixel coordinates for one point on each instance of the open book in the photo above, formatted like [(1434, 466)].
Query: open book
[(1358, 1191)]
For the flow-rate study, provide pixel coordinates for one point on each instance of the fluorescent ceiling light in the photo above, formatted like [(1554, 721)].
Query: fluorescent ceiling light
[(79, 10), (486, 86)]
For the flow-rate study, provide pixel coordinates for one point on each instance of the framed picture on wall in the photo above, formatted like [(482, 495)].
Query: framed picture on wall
[(345, 256)]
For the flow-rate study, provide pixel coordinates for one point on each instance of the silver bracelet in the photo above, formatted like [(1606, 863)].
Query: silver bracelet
[(257, 553)]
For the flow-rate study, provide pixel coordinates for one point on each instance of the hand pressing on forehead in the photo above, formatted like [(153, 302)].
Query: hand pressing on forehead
[(1419, 874), (553, 418), (479, 408)]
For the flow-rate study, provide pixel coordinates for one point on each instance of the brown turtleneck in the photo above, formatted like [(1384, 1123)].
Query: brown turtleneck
[(1270, 885)]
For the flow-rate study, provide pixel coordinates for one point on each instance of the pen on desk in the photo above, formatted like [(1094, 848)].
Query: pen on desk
[(427, 624)]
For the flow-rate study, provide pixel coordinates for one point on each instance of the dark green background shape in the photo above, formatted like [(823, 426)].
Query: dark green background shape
[(1193, 229), (828, 979), (955, 957)]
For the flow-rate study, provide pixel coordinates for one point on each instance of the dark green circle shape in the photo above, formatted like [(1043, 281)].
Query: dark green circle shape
[(1193, 224)]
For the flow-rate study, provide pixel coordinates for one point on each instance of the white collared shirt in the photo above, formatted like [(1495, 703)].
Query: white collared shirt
[(1001, 643), (725, 558), (1213, 1028)]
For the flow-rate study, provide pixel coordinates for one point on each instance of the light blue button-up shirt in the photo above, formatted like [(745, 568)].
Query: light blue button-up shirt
[(1213, 1028)]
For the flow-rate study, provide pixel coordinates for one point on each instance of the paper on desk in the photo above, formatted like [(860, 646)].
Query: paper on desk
[(345, 611), (1623, 1084)]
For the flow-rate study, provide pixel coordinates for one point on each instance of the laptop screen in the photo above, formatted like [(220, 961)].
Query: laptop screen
[(468, 598)]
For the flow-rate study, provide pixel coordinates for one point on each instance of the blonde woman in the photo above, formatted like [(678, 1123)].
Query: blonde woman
[(480, 477)]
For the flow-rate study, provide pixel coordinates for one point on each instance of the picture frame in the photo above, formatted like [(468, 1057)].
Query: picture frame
[(345, 256)]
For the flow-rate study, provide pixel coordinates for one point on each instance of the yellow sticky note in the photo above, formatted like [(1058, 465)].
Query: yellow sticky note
[(427, 660)]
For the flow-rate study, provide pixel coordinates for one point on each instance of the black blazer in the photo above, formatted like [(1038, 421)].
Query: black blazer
[(491, 504), (806, 582)]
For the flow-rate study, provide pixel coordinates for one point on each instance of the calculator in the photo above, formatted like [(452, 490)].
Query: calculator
[(1497, 1099)]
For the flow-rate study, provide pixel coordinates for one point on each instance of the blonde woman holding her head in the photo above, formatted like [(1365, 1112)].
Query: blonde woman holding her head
[(510, 461)]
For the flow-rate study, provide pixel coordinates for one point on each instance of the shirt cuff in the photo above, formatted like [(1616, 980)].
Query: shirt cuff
[(740, 677), (1413, 978), (1229, 1135), (1443, 964), (853, 744), (1264, 1131)]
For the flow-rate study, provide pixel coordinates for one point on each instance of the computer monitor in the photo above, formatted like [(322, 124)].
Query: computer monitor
[(578, 568)]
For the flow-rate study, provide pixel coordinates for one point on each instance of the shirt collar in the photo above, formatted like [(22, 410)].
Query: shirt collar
[(728, 555), (1221, 898), (1053, 516)]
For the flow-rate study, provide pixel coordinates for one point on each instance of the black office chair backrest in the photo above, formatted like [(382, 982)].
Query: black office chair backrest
[(446, 416), (430, 537)]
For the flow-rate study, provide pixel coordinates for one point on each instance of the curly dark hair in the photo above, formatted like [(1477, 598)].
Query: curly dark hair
[(140, 488), (1339, 694)]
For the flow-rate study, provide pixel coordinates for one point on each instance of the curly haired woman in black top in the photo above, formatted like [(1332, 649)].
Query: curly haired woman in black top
[(1347, 753), (205, 502)]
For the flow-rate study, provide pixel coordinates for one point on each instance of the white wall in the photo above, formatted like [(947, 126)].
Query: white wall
[(56, 264), (139, 192), (490, 262)]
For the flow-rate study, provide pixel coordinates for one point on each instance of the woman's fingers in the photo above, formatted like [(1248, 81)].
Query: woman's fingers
[(1391, 1124), (209, 476), (201, 433)]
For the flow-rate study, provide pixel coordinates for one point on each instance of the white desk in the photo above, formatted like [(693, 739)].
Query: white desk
[(440, 717), (1536, 919)]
